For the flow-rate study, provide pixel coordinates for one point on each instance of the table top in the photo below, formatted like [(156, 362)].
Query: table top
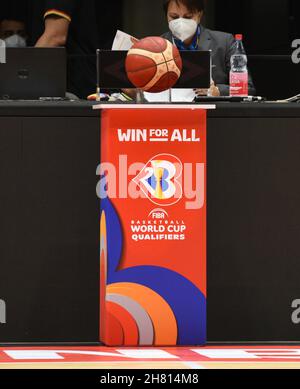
[(156, 106), (83, 108)]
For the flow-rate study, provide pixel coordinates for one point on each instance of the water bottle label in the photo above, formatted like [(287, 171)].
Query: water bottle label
[(239, 84)]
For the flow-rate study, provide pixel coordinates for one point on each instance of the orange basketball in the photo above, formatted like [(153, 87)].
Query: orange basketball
[(153, 64)]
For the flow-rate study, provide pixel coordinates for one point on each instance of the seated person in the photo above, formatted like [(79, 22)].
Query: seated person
[(82, 26), (13, 32), (70, 24), (187, 33)]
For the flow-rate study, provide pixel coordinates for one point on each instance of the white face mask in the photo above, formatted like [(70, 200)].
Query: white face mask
[(183, 29), (15, 41)]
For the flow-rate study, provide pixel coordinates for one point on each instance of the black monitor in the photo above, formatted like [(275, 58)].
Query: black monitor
[(196, 71), (33, 73)]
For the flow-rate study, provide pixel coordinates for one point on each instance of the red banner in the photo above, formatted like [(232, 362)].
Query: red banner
[(153, 227)]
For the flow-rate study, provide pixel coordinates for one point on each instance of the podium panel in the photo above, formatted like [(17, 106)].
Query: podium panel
[(153, 226)]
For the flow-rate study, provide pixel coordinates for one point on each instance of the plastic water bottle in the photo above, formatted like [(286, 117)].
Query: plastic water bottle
[(239, 71)]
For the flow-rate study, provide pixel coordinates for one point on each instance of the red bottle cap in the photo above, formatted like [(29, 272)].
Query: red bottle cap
[(239, 37)]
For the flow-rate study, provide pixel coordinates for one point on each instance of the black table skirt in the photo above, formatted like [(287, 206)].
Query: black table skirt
[(49, 222)]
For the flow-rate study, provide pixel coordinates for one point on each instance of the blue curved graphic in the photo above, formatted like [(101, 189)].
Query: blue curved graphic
[(186, 300)]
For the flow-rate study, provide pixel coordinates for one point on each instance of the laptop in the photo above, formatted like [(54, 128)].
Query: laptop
[(33, 74)]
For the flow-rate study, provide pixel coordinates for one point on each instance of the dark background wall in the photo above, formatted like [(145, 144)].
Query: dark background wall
[(269, 27)]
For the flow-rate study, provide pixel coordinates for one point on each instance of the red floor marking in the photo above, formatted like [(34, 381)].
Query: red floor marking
[(193, 354)]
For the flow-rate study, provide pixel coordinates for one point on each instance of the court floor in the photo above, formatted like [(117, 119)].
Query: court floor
[(275, 357)]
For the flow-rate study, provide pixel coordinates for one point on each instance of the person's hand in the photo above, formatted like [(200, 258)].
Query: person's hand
[(201, 92), (212, 91)]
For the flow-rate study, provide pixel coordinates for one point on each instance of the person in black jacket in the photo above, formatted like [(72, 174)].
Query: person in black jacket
[(72, 24), (187, 32)]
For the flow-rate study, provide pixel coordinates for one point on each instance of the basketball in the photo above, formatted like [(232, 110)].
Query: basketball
[(153, 64)]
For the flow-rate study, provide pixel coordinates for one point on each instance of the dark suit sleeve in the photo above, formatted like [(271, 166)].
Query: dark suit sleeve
[(60, 8), (225, 89)]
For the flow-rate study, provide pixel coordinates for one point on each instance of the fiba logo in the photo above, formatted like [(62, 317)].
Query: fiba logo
[(159, 180), (2, 51), (158, 214)]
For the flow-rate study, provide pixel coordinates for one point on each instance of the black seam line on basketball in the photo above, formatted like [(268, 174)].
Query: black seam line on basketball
[(142, 86), (166, 62), (159, 80), (150, 67)]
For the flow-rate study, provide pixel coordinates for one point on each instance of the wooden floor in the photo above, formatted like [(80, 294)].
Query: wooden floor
[(145, 358)]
